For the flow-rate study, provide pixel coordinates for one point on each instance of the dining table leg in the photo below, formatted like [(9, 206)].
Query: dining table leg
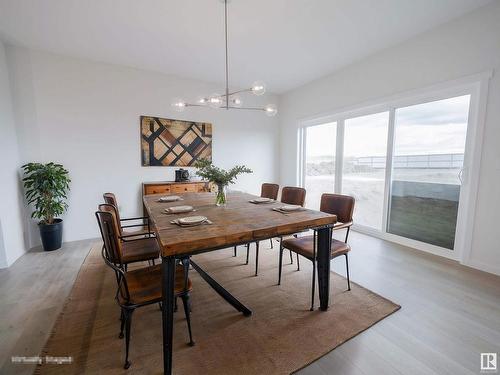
[(323, 264), (167, 314)]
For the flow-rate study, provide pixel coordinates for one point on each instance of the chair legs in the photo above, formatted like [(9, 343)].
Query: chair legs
[(248, 252), (234, 252), (347, 271), (256, 257), (280, 263), (271, 241), (128, 324), (298, 264), (313, 284), (122, 324), (186, 301), (291, 257)]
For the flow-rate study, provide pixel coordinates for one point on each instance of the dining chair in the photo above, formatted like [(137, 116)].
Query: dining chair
[(296, 196), (270, 191), (138, 249), (343, 207), (139, 287), (125, 232)]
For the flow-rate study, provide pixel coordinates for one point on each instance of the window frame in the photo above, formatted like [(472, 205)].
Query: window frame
[(477, 87)]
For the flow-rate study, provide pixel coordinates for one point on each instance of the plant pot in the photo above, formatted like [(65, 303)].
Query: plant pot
[(51, 235)]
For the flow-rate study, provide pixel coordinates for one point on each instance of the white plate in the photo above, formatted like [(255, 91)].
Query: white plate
[(178, 209), (262, 200), (192, 220), (169, 198), (290, 207)]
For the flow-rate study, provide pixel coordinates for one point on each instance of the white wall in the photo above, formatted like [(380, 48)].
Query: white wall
[(465, 46), (85, 115), (11, 229)]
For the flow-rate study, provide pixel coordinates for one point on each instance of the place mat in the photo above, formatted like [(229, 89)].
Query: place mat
[(256, 201), (277, 209), (177, 198), (281, 337), (182, 225), (176, 210)]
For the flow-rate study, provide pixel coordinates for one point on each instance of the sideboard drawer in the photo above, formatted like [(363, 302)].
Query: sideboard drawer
[(157, 189), (184, 188)]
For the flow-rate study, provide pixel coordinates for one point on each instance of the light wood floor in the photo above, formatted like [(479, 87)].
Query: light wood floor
[(450, 313), (32, 293)]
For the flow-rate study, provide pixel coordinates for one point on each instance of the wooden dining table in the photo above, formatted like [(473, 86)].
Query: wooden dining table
[(239, 222)]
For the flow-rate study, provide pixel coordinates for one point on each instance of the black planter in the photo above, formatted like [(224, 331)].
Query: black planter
[(51, 235)]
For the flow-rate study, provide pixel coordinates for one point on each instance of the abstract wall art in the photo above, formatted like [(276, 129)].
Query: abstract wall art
[(167, 142)]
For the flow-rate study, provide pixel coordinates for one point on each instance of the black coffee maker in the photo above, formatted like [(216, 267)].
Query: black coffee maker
[(181, 175)]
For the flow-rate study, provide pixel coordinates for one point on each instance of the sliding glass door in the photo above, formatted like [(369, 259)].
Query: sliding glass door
[(320, 151), (403, 165), (363, 170), (429, 146)]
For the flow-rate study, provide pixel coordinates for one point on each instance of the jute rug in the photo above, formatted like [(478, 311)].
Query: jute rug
[(280, 337)]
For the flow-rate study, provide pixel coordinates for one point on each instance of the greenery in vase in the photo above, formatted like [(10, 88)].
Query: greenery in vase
[(46, 188), (219, 176)]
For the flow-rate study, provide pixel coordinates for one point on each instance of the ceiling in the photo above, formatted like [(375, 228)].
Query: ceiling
[(285, 43)]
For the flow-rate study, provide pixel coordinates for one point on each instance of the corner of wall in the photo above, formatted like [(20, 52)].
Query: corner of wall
[(12, 243)]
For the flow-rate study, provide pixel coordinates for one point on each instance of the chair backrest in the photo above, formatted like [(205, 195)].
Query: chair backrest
[(269, 191), (110, 198), (107, 207), (106, 219), (338, 204), (293, 195), (112, 249)]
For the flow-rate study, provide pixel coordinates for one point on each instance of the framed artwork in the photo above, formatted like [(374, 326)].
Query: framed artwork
[(167, 142)]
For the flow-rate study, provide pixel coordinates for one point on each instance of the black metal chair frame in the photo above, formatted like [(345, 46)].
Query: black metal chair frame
[(127, 309), (257, 253), (313, 260), (145, 222)]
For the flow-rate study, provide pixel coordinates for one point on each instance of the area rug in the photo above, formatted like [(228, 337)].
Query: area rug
[(281, 337)]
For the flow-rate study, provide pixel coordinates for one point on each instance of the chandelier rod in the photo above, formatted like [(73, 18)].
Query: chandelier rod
[(228, 107), (227, 70)]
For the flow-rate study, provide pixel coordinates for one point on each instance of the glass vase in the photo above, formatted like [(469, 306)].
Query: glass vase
[(221, 197)]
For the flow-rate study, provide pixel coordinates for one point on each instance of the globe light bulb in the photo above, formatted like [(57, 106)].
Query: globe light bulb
[(215, 101), (271, 110), (236, 102), (258, 88), (179, 105), (202, 100)]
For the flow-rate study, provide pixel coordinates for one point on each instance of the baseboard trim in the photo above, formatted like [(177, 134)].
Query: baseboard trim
[(485, 267)]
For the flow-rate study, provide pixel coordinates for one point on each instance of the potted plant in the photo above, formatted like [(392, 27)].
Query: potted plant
[(220, 177), (46, 188)]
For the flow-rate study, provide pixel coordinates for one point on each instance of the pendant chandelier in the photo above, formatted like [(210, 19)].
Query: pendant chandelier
[(228, 100)]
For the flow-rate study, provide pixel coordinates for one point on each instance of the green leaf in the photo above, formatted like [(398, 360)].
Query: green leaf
[(46, 187)]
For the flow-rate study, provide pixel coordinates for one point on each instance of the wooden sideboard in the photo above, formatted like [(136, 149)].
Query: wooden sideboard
[(172, 187)]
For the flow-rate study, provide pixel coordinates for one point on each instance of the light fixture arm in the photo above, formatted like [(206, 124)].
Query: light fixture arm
[(227, 60), (222, 101)]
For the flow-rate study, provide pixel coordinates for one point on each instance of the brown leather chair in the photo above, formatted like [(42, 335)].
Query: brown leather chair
[(270, 191), (293, 195), (296, 196), (336, 204), (139, 249), (140, 287), (289, 195), (125, 232)]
